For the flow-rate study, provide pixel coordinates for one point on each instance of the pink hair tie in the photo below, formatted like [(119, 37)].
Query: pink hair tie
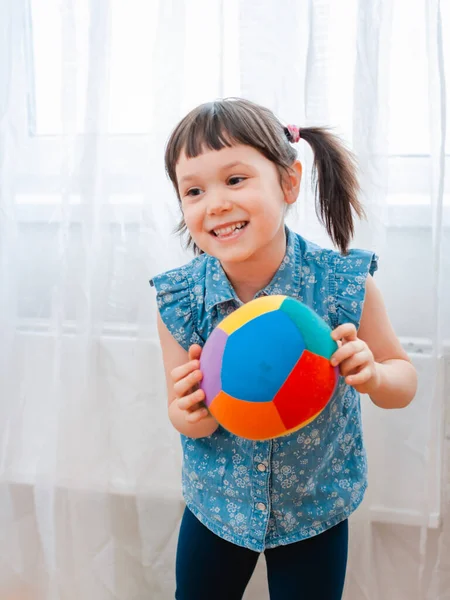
[(292, 133)]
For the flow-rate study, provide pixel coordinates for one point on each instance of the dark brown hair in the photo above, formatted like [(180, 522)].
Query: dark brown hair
[(230, 121)]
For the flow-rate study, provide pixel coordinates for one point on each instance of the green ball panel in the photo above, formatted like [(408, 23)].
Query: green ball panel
[(315, 332)]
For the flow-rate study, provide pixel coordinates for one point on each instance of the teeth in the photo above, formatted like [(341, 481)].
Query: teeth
[(230, 229)]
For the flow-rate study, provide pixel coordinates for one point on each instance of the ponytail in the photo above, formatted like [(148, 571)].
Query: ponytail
[(335, 185)]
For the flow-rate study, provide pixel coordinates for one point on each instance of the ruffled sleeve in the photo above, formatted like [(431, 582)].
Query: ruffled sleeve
[(174, 304), (349, 285)]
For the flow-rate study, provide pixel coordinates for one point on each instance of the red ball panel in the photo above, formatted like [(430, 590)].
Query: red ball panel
[(306, 391)]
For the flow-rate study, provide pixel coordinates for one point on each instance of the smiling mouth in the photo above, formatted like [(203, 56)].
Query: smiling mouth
[(229, 230)]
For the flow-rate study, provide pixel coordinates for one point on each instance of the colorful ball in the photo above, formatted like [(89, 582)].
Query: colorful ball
[(266, 368)]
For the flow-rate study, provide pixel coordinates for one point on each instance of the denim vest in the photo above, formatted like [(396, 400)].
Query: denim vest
[(263, 494)]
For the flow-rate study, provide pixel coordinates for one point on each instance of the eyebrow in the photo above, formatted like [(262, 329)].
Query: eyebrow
[(224, 168)]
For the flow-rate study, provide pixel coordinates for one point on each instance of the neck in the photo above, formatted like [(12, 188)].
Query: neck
[(254, 274)]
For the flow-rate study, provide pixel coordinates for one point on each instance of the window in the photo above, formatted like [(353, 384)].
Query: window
[(127, 33), (408, 128)]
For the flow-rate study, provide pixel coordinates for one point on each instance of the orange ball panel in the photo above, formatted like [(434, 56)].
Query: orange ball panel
[(300, 399), (251, 420)]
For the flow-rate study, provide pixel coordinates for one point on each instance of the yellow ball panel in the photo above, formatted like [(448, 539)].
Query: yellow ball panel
[(249, 311)]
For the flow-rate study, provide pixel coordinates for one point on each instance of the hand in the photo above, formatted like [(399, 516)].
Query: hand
[(188, 395), (355, 359)]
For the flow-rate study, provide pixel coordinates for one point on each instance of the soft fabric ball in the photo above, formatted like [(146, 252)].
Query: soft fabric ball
[(266, 368)]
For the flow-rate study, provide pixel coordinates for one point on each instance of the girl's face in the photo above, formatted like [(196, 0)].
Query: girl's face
[(233, 201)]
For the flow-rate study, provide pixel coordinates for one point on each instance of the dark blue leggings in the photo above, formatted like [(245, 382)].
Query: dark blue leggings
[(210, 568)]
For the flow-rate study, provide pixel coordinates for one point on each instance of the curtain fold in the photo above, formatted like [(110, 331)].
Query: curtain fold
[(436, 586)]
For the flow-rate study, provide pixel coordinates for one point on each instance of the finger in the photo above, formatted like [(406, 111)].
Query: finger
[(183, 370), (347, 351), (198, 415), (362, 377), (354, 363), (190, 400), (184, 386), (345, 331), (195, 407), (194, 352)]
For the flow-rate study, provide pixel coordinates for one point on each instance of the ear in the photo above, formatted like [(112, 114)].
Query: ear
[(292, 180)]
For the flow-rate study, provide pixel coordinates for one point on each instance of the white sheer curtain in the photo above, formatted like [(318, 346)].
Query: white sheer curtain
[(89, 91)]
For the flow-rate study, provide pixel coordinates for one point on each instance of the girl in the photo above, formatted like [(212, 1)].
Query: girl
[(235, 173)]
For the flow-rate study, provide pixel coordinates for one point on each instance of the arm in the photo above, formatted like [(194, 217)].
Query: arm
[(372, 359), (186, 413)]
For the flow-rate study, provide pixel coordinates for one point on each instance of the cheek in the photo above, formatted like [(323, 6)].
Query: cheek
[(193, 218), (269, 206)]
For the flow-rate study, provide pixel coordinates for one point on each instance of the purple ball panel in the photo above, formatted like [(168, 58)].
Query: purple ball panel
[(211, 364)]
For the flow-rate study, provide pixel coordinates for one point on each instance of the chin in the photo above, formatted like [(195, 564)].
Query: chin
[(234, 255)]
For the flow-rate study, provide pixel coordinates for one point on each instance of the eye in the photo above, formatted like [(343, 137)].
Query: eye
[(193, 192), (235, 180)]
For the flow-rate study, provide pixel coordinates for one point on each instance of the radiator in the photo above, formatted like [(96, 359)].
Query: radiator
[(405, 449)]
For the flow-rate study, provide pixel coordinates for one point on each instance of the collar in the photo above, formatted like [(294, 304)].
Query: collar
[(286, 280)]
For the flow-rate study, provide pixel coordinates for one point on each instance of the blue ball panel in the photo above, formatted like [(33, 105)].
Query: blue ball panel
[(259, 356)]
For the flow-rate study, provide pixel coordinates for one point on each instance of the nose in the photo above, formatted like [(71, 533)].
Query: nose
[(218, 203)]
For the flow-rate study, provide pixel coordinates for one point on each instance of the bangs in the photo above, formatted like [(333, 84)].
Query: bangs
[(222, 124), (209, 131)]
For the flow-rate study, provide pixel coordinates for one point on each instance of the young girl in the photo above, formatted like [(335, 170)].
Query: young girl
[(235, 173)]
